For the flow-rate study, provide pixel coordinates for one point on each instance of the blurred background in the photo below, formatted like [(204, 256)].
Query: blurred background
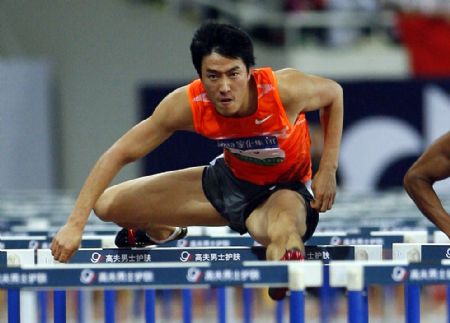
[(75, 75)]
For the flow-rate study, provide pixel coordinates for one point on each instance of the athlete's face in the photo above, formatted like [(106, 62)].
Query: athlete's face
[(226, 84)]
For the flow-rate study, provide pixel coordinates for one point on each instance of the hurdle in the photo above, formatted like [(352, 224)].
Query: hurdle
[(354, 276), (319, 238), (350, 275), (222, 254), (323, 255), (189, 254), (165, 275), (427, 254), (25, 242), (14, 297)]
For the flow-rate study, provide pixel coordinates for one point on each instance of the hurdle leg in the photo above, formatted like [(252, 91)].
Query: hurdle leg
[(412, 303), (81, 304), (110, 305), (59, 306), (248, 304), (448, 303), (297, 297), (355, 304), (366, 304), (27, 301), (136, 303), (166, 303), (326, 300), (221, 305), (150, 315), (279, 311), (14, 305), (42, 304), (187, 305), (297, 306)]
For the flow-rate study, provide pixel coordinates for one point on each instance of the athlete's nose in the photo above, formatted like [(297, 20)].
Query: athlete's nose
[(224, 86)]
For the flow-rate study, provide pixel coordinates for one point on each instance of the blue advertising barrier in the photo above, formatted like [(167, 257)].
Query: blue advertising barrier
[(200, 255), (162, 275), (221, 255), (204, 254)]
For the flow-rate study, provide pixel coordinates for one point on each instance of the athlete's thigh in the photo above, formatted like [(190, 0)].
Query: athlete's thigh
[(284, 201), (171, 198)]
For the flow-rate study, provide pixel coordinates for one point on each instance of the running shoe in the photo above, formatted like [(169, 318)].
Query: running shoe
[(139, 239), (278, 293)]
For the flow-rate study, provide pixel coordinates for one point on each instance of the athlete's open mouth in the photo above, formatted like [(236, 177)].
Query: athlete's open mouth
[(226, 102)]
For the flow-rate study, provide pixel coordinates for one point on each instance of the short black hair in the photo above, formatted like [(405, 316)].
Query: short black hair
[(224, 39)]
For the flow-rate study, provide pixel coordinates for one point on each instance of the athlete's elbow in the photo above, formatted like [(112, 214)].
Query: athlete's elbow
[(413, 180), (337, 90), (408, 179), (336, 96), (119, 155)]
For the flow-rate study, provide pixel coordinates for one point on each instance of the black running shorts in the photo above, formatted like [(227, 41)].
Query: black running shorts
[(235, 199)]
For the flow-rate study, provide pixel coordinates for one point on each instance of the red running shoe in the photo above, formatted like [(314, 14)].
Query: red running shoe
[(278, 293), (138, 238)]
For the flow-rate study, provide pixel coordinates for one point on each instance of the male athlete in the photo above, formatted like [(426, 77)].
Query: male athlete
[(258, 185), (432, 166)]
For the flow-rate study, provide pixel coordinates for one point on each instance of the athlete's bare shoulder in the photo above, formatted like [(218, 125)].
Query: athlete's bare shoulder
[(179, 96), (444, 142), (298, 84), (174, 110), (289, 84), (305, 92), (440, 147), (287, 76), (288, 72)]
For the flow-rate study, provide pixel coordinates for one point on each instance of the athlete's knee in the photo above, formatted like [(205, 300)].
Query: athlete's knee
[(104, 207), (286, 229), (284, 222)]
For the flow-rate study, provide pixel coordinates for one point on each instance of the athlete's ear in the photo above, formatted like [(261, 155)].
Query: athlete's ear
[(250, 71)]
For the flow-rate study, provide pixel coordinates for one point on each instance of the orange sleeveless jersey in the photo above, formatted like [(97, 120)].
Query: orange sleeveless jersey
[(262, 148)]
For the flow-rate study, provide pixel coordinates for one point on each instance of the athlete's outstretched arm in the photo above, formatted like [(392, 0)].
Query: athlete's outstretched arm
[(432, 166), (173, 113)]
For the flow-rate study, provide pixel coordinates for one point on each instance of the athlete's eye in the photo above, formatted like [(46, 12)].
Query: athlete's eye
[(212, 77)]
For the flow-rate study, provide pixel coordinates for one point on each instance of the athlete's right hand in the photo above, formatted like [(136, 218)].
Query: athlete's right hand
[(66, 242), (324, 189)]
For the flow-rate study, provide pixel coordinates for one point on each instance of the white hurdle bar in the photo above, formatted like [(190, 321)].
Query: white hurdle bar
[(440, 237)]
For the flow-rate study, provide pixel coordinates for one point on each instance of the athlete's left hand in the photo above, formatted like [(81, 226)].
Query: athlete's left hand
[(324, 189)]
